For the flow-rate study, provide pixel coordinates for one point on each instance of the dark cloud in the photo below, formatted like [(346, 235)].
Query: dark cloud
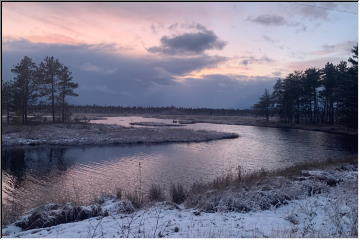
[(269, 20), (177, 26), (251, 60), (118, 79), (189, 43), (342, 47), (269, 39), (276, 74), (315, 10), (276, 20), (215, 91)]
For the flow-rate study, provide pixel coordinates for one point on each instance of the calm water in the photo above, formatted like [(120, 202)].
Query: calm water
[(34, 175)]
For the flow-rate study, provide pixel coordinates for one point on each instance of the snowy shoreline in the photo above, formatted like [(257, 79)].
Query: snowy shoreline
[(319, 202), (155, 124), (102, 134), (257, 122)]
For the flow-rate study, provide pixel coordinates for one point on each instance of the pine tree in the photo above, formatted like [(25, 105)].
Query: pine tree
[(25, 87), (8, 101), (48, 74), (311, 84), (329, 82), (264, 106), (66, 88)]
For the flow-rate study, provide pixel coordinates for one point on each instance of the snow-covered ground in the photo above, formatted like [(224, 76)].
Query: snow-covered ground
[(155, 124), (100, 134), (328, 210)]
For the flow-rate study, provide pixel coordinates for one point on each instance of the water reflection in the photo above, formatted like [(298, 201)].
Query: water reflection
[(34, 175), (14, 162)]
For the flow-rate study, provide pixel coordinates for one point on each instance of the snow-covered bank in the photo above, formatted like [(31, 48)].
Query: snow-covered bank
[(100, 134), (155, 124), (257, 121), (318, 203)]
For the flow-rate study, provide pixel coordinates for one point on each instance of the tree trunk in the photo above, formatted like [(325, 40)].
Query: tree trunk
[(297, 111), (52, 99), (25, 112), (63, 109), (7, 115), (315, 118), (331, 112)]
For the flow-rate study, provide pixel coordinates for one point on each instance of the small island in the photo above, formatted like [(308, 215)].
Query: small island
[(101, 134)]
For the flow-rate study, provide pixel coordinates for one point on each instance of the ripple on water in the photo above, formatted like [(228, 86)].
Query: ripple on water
[(40, 174)]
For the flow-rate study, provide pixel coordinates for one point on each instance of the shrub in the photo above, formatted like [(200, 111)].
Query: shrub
[(177, 193), (222, 182), (155, 193), (119, 193), (239, 174)]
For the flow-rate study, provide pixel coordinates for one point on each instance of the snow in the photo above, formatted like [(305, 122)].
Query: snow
[(332, 213), (155, 124), (101, 134)]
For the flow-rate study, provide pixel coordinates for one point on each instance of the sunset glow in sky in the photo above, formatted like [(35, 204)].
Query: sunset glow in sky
[(182, 54)]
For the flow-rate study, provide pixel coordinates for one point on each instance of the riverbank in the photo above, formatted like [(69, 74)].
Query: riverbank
[(259, 122), (101, 134), (232, 120), (308, 200)]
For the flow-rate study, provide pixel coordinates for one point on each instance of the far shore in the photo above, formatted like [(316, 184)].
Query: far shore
[(236, 120)]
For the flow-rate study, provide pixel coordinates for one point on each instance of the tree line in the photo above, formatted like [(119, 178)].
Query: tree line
[(168, 110), (328, 95), (49, 82)]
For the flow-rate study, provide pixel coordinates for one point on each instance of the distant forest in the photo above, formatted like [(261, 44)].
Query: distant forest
[(327, 96), (144, 110)]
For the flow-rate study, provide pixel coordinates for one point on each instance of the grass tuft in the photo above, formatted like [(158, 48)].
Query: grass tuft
[(136, 199), (155, 193), (177, 193)]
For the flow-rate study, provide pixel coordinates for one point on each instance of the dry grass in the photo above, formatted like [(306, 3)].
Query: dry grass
[(135, 198), (119, 193), (156, 193), (177, 193), (9, 213), (240, 178)]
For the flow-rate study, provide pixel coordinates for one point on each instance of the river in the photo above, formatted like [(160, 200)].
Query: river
[(39, 174)]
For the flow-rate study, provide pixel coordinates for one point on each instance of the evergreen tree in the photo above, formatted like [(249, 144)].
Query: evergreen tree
[(48, 76), (66, 88), (25, 87), (328, 95), (8, 101), (278, 99), (354, 59), (264, 106), (311, 82), (348, 97), (329, 81)]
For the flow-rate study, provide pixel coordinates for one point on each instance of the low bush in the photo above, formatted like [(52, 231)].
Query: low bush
[(177, 193), (155, 193), (119, 193)]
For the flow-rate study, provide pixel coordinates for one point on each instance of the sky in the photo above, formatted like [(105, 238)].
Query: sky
[(216, 55)]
